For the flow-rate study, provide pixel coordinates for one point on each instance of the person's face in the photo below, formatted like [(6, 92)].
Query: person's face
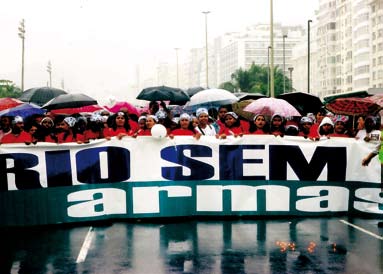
[(20, 125), (184, 123), (203, 119), (63, 126), (277, 121), (32, 130), (326, 127), (339, 127), (142, 123), (260, 121), (120, 120), (46, 124), (229, 120), (360, 123), (221, 113), (195, 122), (319, 117), (306, 126), (150, 122), (5, 122), (154, 108)]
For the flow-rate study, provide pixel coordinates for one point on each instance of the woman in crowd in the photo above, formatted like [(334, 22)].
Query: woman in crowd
[(151, 120), (231, 127), (94, 128), (46, 128), (65, 132), (340, 129), (203, 127), (184, 128), (277, 125), (305, 127), (119, 127), (370, 131), (259, 125), (326, 127), (17, 134)]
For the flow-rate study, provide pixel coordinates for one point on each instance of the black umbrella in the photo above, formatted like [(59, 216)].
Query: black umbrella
[(40, 95), (194, 90), (74, 100), (164, 93), (303, 102)]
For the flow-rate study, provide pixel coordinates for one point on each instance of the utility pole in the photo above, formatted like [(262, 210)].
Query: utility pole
[(206, 51), (49, 69), (22, 36)]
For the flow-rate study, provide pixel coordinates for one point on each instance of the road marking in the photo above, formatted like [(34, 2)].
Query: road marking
[(363, 230), (15, 267), (85, 246)]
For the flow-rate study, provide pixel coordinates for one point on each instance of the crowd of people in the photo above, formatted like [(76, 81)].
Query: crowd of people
[(221, 122)]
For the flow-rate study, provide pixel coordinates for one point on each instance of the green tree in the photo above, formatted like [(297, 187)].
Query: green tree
[(255, 80), (9, 89)]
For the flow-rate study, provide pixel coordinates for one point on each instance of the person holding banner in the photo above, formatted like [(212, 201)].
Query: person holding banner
[(65, 133), (365, 161), (5, 126), (119, 127), (203, 127), (17, 134), (184, 127), (232, 126), (259, 125)]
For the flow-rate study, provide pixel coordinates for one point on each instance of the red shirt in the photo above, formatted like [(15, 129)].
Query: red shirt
[(182, 132), (259, 132), (69, 138), (145, 132), (232, 131), (88, 134), (110, 132), (23, 137)]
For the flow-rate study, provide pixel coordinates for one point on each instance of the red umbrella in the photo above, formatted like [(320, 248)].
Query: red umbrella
[(353, 106), (119, 105), (7, 102), (70, 111)]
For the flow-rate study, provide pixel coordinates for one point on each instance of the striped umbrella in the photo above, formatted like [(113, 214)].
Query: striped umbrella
[(353, 106)]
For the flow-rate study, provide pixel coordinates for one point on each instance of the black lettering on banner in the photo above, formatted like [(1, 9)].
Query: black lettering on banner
[(24, 177), (231, 162), (89, 169), (334, 157), (199, 170)]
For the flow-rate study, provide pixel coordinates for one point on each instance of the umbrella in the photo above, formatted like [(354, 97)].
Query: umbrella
[(214, 97), (353, 106), (194, 90), (74, 100), (239, 106), (271, 106), (24, 110), (70, 111), (40, 95), (119, 105), (243, 96), (304, 102), (8, 102), (164, 93)]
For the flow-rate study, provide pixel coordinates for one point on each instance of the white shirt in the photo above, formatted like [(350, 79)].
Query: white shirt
[(207, 131)]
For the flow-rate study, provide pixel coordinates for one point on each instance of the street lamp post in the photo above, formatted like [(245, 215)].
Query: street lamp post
[(178, 83), (284, 64), (206, 50), (308, 55), (268, 70), (272, 50), (291, 78), (49, 70), (22, 36)]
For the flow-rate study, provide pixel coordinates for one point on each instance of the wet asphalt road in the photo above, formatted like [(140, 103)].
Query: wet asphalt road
[(310, 245)]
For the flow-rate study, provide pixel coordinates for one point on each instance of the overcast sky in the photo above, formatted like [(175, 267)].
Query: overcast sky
[(95, 45)]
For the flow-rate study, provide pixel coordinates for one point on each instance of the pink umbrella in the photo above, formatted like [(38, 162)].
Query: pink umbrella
[(270, 106), (117, 107), (7, 102), (83, 109)]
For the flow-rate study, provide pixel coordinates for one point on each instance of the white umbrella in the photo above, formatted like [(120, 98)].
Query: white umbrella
[(214, 97)]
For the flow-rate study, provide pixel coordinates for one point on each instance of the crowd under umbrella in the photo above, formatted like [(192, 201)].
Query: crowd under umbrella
[(164, 93), (24, 110), (270, 106), (304, 102), (70, 100), (40, 95)]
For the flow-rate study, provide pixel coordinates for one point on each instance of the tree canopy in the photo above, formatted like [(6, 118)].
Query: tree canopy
[(255, 80), (9, 89)]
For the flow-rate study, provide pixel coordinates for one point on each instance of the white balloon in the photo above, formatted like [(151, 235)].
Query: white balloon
[(158, 131)]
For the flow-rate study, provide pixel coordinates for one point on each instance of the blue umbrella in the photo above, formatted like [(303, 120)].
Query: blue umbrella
[(23, 110)]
